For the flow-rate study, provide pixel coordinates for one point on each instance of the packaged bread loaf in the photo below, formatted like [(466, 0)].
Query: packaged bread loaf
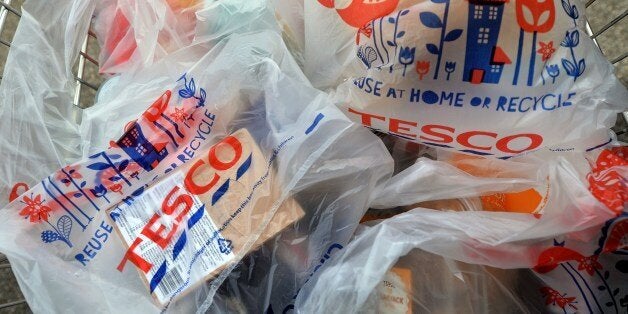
[(185, 229)]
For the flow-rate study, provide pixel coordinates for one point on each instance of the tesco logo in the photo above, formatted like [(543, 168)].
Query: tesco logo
[(476, 140), (178, 203)]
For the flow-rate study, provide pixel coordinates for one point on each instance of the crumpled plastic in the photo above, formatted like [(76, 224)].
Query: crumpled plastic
[(39, 121), (491, 79), (245, 80), (573, 242), (542, 231)]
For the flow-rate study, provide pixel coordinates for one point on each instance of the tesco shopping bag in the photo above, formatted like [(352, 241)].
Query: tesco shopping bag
[(39, 121), (572, 242), (234, 153), (490, 78)]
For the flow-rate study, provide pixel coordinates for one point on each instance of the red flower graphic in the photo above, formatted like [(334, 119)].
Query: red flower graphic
[(589, 264), (555, 298), (606, 184), (35, 208), (179, 115), (422, 67), (546, 50)]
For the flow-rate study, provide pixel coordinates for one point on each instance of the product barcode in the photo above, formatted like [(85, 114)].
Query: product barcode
[(172, 281)]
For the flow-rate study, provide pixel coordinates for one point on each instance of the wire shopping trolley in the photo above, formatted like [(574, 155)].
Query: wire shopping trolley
[(607, 25)]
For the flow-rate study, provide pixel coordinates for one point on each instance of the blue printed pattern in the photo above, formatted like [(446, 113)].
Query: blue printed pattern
[(484, 60), (81, 190)]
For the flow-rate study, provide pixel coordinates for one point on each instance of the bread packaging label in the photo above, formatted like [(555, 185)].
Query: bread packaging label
[(395, 291), (186, 228)]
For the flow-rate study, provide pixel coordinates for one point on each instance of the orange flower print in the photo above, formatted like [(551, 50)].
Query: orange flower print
[(556, 298), (179, 115), (547, 50), (589, 264), (422, 68), (35, 210)]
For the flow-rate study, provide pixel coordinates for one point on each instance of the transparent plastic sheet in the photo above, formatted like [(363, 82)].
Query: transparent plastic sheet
[(105, 121), (135, 34), (39, 122), (64, 236), (575, 227), (435, 72), (290, 17)]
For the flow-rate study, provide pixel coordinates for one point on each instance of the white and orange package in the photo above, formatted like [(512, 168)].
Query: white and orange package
[(486, 77)]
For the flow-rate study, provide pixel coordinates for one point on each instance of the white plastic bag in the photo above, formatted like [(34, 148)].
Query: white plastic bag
[(135, 34), (581, 198), (39, 122), (64, 236), (496, 78)]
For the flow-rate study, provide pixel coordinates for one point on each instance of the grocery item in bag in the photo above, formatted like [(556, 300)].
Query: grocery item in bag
[(573, 247), (214, 184)]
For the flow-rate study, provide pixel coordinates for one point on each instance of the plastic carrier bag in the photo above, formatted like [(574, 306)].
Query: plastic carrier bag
[(573, 245), (39, 122), (134, 34), (232, 147), (435, 72), (104, 122)]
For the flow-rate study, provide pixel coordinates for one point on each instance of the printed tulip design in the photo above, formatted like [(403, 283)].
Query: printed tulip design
[(109, 165), (36, 211), (571, 10), (450, 67), (397, 34), (357, 13), (572, 67), (533, 16), (553, 71), (422, 67), (100, 191), (189, 91), (406, 57), (432, 20)]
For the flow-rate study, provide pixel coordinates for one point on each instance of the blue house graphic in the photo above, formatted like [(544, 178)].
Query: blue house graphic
[(140, 149), (484, 59)]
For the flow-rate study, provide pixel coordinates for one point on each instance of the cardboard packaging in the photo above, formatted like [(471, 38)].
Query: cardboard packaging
[(187, 228)]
